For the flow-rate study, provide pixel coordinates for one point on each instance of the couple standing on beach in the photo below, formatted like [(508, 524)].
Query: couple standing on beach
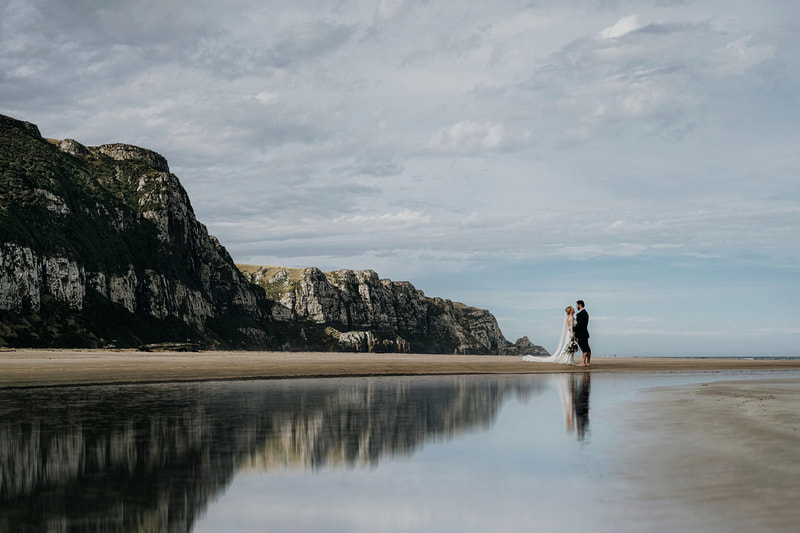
[(574, 335)]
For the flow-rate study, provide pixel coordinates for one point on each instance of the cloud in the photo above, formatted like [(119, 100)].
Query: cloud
[(376, 168), (417, 137), (388, 9), (657, 79), (468, 136), (622, 27), (741, 55), (232, 52), (268, 98), (404, 218)]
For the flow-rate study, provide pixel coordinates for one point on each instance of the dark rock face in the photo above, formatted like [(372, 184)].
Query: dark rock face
[(366, 313), (524, 346), (99, 246)]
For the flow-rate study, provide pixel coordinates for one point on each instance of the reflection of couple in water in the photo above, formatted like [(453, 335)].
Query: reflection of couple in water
[(574, 391)]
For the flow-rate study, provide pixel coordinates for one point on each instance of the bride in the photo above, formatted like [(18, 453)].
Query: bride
[(567, 345)]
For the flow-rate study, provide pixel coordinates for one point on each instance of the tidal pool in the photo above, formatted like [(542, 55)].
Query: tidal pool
[(444, 453)]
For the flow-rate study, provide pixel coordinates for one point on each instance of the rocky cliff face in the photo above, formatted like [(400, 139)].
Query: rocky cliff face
[(365, 313), (99, 246)]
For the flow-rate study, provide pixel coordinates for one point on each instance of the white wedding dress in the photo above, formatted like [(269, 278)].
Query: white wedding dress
[(564, 351)]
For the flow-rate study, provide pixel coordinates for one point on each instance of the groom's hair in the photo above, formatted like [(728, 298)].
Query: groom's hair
[(580, 302)]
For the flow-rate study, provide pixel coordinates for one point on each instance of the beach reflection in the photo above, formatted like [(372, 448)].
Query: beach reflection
[(574, 390), (153, 457)]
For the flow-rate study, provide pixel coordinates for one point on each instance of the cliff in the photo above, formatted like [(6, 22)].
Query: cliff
[(366, 313), (100, 247)]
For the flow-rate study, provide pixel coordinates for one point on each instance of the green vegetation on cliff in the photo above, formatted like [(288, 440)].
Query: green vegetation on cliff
[(59, 204), (120, 231)]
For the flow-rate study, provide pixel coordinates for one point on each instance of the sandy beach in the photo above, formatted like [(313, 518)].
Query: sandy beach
[(721, 456), (38, 368)]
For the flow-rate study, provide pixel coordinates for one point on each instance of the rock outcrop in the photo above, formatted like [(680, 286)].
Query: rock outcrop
[(365, 313), (99, 246)]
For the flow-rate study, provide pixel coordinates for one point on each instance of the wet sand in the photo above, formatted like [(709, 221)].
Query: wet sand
[(37, 368), (723, 456)]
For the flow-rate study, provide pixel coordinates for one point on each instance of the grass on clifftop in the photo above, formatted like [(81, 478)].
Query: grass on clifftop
[(267, 271)]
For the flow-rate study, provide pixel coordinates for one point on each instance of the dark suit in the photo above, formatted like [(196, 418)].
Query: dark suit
[(581, 330)]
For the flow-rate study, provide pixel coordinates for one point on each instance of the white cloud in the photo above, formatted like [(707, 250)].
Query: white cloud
[(388, 9), (268, 98), (622, 27), (403, 218), (741, 55), (468, 136)]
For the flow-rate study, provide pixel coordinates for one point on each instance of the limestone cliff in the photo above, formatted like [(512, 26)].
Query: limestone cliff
[(365, 313), (99, 246)]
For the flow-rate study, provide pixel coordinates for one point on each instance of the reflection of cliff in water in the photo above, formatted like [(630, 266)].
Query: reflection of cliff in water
[(152, 457)]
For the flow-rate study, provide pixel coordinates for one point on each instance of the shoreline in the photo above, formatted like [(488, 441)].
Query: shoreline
[(719, 456), (23, 368)]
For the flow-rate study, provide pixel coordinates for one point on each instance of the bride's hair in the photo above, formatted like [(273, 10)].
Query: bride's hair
[(568, 308)]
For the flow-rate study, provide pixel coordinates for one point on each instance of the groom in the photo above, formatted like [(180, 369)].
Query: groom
[(581, 331)]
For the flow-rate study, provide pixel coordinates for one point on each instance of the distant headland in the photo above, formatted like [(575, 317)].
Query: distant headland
[(100, 248)]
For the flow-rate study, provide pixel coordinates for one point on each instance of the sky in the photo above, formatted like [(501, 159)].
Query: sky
[(512, 155)]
